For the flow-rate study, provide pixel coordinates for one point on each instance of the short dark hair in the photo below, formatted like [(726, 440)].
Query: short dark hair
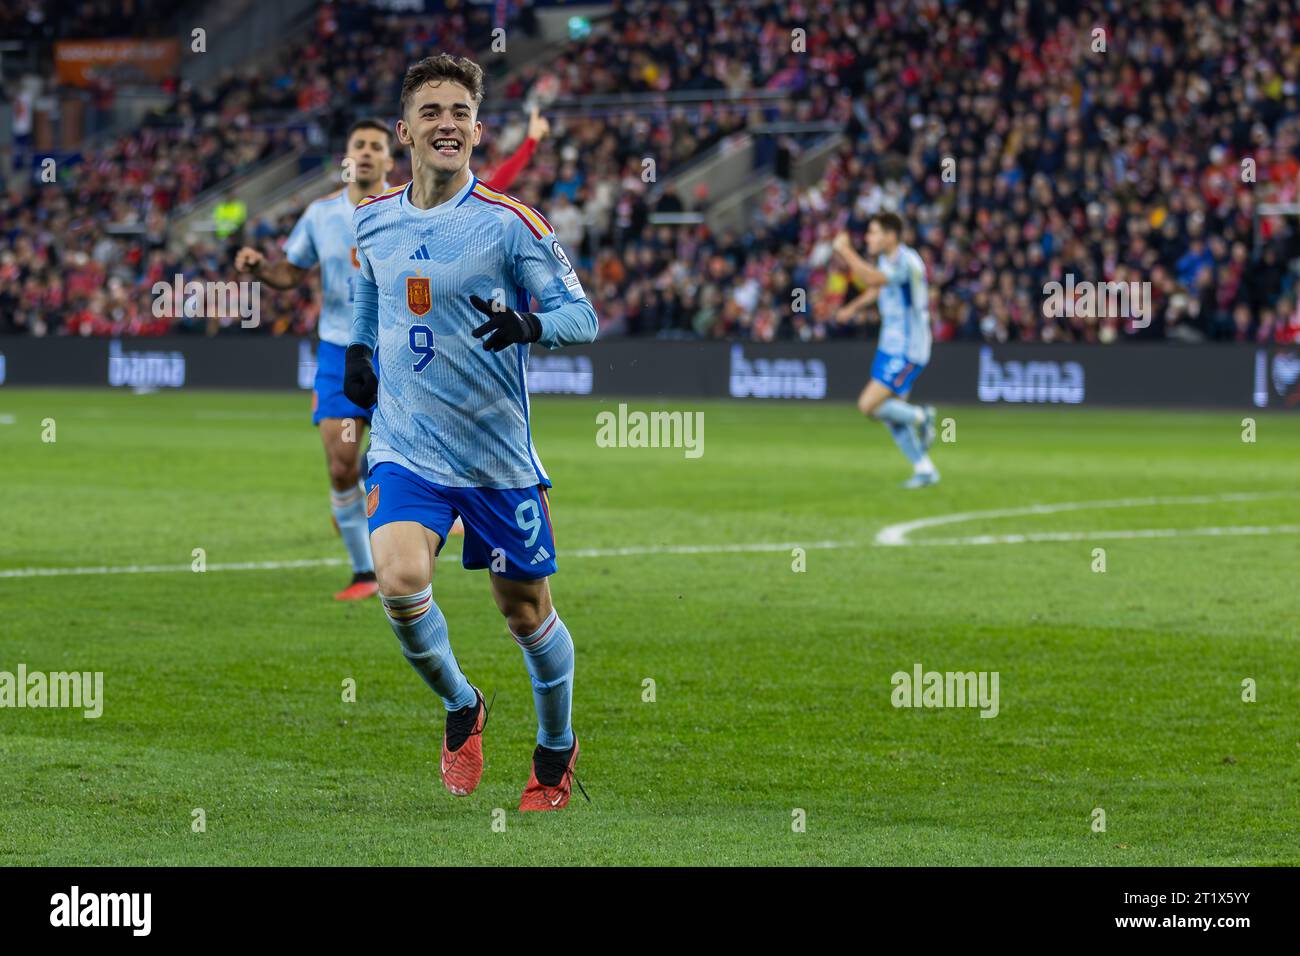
[(444, 67), (372, 122), (889, 222)]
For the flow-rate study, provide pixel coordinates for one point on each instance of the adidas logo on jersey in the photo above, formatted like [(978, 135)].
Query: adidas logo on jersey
[(541, 555), (421, 253)]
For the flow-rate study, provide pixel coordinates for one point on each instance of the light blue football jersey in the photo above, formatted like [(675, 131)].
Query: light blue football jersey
[(448, 409), (323, 234), (904, 304)]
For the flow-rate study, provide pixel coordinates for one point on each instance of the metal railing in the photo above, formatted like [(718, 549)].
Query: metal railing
[(239, 30)]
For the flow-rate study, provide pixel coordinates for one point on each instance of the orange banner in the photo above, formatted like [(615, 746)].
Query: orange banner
[(117, 62)]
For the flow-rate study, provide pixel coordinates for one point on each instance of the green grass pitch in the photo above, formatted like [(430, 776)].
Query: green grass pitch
[(1120, 691)]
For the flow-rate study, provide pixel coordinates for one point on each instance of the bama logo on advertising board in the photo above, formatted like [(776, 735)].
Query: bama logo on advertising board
[(1277, 379), (145, 368), (560, 375), (1029, 382), (306, 365), (776, 378)]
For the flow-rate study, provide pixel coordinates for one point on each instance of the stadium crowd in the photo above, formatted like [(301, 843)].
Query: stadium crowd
[(1122, 163), (1018, 148), (79, 256)]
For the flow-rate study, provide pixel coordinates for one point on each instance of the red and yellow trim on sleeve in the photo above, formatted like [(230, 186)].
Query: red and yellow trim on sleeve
[(386, 194), (533, 219)]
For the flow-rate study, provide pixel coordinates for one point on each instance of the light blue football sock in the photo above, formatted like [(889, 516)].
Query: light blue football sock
[(908, 443), (548, 655), (349, 509), (422, 631), (898, 412)]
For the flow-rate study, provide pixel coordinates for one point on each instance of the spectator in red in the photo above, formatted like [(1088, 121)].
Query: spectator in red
[(503, 177)]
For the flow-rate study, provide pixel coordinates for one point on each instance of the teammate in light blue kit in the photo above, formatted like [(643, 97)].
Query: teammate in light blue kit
[(448, 268), (323, 237), (897, 282)]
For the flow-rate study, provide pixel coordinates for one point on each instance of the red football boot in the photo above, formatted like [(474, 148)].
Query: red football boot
[(462, 768), (363, 586), (557, 769)]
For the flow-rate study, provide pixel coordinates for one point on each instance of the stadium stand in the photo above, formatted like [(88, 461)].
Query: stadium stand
[(1118, 165)]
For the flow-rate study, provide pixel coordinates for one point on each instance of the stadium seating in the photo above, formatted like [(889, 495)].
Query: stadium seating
[(1016, 150)]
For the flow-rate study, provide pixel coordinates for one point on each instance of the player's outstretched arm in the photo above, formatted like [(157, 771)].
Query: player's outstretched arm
[(505, 326), (573, 323), (278, 275), (542, 267), (858, 307), (864, 272), (567, 326)]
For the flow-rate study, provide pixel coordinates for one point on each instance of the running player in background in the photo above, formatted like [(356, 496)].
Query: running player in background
[(897, 281), (448, 269), (323, 236)]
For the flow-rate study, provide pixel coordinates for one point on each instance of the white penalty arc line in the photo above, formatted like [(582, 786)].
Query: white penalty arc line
[(1110, 535), (896, 535)]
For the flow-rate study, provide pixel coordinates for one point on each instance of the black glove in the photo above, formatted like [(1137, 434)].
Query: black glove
[(360, 383), (507, 326)]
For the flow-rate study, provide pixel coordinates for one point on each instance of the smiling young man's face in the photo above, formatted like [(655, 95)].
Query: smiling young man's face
[(441, 126)]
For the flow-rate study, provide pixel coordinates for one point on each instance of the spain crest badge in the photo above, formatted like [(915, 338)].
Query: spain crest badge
[(418, 297)]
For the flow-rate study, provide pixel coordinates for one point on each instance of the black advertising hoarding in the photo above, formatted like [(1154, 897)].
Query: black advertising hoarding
[(154, 363), (1205, 376), (1134, 375), (53, 361)]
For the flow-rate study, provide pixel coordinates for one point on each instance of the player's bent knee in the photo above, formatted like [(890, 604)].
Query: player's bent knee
[(525, 615), (403, 564), (396, 581), (343, 470), (400, 574)]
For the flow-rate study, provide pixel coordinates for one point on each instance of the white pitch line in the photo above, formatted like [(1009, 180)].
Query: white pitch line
[(170, 568), (330, 562), (896, 534), (709, 548)]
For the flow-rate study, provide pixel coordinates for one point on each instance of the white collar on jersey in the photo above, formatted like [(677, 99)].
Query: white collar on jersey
[(443, 207)]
